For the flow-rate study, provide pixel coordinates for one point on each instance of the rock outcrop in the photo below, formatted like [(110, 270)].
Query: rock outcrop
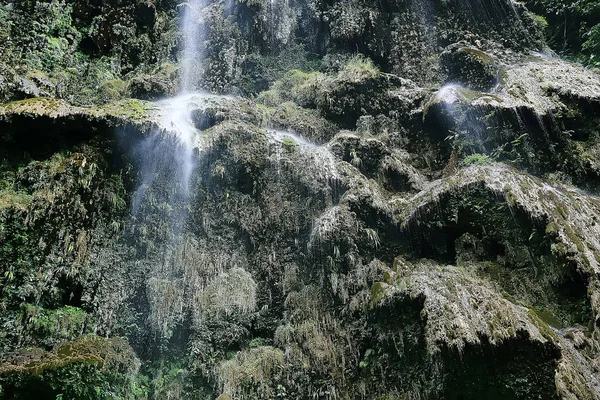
[(419, 220)]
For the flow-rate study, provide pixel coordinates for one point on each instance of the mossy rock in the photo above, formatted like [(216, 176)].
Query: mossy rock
[(154, 86), (120, 113), (470, 67), (89, 367)]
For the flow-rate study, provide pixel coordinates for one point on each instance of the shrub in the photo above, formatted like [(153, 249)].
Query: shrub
[(253, 372), (572, 27), (359, 68), (477, 159), (592, 45)]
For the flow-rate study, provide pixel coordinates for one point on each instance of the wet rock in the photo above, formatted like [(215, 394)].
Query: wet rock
[(153, 87), (205, 118), (568, 211), (146, 16), (122, 112), (377, 161), (464, 316), (530, 121), (470, 67), (111, 359), (65, 124)]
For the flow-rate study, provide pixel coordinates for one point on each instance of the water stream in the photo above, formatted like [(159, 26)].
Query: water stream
[(168, 154)]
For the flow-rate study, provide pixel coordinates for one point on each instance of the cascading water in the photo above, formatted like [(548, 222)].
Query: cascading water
[(169, 153), (166, 161), (192, 51), (320, 162)]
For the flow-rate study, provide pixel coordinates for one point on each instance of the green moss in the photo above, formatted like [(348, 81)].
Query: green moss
[(378, 293), (548, 318), (130, 110), (359, 68), (289, 142), (552, 230), (52, 326), (12, 199), (481, 56), (545, 330), (112, 89), (89, 367)]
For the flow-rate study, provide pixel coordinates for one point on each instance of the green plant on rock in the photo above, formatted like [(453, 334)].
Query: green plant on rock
[(359, 68), (53, 326), (477, 159), (573, 27), (592, 45), (510, 151), (255, 372), (112, 89), (289, 142)]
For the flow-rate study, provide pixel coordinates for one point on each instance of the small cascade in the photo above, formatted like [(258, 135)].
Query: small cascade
[(320, 163)]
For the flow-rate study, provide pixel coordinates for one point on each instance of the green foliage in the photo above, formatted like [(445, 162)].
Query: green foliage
[(261, 70), (592, 45), (87, 368), (477, 159), (358, 68), (79, 51), (49, 327), (540, 21), (112, 89), (51, 212), (167, 379), (573, 27), (254, 372)]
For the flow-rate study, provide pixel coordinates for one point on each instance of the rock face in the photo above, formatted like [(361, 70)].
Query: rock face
[(418, 220)]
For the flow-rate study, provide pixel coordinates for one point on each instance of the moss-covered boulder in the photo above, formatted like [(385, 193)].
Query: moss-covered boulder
[(470, 67), (88, 367)]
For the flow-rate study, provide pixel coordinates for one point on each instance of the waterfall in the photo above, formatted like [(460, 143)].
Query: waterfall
[(192, 54), (168, 154)]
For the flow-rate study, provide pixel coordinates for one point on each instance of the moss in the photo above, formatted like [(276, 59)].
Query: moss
[(12, 199), (574, 238), (552, 230), (52, 326), (289, 142), (548, 318), (378, 293), (135, 111), (542, 326), (113, 89), (358, 68), (480, 55), (89, 367), (255, 371)]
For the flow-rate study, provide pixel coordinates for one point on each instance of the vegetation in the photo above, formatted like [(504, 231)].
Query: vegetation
[(89, 367), (477, 159), (572, 28), (377, 209)]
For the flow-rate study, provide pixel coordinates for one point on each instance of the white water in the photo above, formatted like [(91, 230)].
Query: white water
[(169, 152), (192, 54), (320, 162), (450, 93)]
